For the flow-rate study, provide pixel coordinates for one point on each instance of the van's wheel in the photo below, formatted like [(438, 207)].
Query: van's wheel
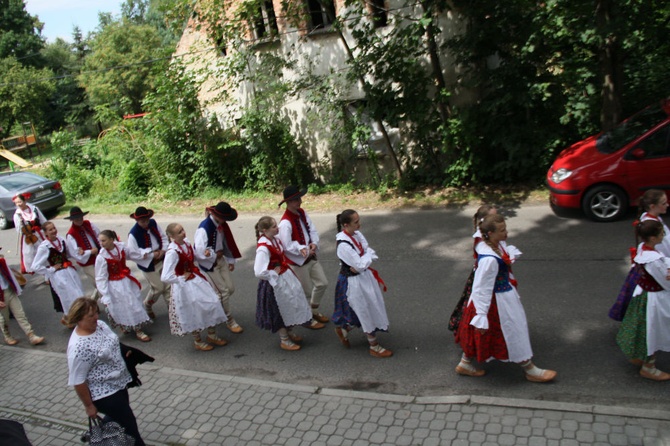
[(605, 203), (4, 223)]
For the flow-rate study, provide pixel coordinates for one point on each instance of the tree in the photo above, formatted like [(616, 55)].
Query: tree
[(121, 67), (20, 33), (24, 94)]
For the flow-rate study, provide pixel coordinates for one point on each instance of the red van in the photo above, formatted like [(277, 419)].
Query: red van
[(606, 173)]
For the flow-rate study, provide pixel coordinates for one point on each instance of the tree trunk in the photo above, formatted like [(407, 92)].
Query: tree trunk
[(610, 66)]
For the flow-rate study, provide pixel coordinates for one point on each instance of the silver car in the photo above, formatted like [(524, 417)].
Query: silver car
[(46, 194)]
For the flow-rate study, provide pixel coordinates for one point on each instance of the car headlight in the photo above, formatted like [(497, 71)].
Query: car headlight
[(560, 175)]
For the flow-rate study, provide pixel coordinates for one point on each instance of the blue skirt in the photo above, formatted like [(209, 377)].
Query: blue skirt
[(343, 315), (268, 316)]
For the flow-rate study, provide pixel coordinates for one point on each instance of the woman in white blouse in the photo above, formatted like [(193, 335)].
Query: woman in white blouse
[(97, 369)]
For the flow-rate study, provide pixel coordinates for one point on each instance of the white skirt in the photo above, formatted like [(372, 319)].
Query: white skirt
[(291, 300), (67, 284), (196, 305), (366, 299), (124, 303)]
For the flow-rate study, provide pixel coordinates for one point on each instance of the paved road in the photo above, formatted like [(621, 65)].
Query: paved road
[(181, 407), (569, 275)]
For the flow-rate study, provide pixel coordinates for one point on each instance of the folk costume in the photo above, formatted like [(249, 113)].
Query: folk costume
[(216, 253), (358, 295), (84, 237), (280, 299), (65, 282), (120, 289), (194, 305), (153, 238), (494, 305), (618, 310), (297, 232), (29, 220), (10, 290), (645, 328), (664, 246)]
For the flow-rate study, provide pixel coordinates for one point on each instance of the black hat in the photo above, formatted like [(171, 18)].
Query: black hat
[(142, 212), (291, 193), (76, 212), (223, 210)]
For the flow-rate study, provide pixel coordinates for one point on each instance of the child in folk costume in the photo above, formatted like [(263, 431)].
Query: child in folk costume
[(10, 290), (456, 315), (194, 305), (217, 252), (358, 294), (645, 328), (82, 241), (146, 233), (281, 302), (494, 324), (653, 203), (120, 290), (28, 221), (53, 260)]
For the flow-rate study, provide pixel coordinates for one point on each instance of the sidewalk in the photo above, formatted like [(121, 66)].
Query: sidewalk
[(181, 407)]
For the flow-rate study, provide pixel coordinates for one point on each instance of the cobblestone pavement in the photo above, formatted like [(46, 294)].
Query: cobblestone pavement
[(182, 407)]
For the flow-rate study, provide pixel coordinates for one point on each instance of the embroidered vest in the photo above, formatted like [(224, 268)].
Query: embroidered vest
[(647, 281), (345, 269), (229, 246), (502, 282), (79, 233), (277, 258), (186, 265), (143, 237)]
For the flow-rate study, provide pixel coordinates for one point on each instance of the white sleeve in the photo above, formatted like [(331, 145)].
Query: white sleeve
[(41, 261), (17, 221), (286, 237), (77, 367), (134, 253), (101, 275), (200, 244), (313, 233), (73, 250), (169, 274), (482, 290), (261, 264), (348, 255)]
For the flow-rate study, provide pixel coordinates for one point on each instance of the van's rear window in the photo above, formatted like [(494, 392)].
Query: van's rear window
[(630, 129)]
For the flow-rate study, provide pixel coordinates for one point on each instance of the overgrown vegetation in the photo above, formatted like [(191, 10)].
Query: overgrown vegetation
[(456, 93)]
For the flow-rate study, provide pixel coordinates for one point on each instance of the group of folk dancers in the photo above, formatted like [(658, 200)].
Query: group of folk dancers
[(489, 321)]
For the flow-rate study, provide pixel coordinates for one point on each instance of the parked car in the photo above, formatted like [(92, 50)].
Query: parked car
[(606, 173), (43, 193)]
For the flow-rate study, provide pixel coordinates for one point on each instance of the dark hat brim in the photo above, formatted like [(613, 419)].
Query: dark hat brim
[(149, 214), (225, 216), (77, 215), (293, 196)]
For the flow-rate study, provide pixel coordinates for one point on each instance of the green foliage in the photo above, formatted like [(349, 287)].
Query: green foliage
[(20, 33), (120, 69), (134, 179), (24, 94), (276, 159), (76, 182)]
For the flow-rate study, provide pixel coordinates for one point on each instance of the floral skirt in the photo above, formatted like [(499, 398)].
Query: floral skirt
[(457, 314), (486, 346), (632, 335)]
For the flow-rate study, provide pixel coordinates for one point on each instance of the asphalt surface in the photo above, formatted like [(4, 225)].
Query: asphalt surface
[(569, 275)]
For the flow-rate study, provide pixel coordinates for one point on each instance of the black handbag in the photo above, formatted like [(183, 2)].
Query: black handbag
[(108, 434)]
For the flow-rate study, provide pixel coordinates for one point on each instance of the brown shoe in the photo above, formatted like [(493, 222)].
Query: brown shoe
[(314, 325), (202, 346), (289, 346), (294, 337), (380, 352), (342, 334), (214, 339), (467, 369), (320, 318), (654, 374), (234, 327), (142, 336), (34, 339), (545, 377), (10, 340)]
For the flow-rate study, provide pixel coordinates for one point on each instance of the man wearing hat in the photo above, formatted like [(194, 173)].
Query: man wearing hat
[(301, 243), (216, 251), (82, 244), (147, 234)]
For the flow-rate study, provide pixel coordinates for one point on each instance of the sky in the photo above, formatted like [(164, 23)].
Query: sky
[(60, 16)]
